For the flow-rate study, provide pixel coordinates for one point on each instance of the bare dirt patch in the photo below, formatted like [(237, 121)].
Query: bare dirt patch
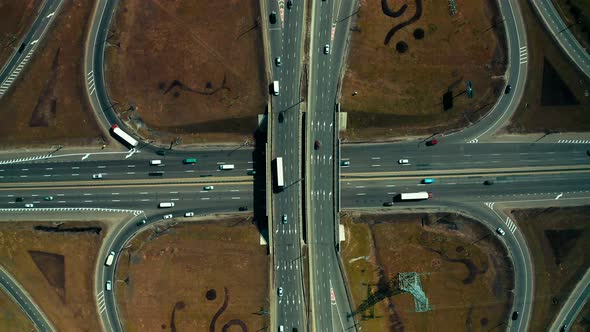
[(208, 275), (559, 241), (15, 19), (47, 104), (404, 57), (557, 95), (12, 318), (464, 272), (56, 269), (197, 73)]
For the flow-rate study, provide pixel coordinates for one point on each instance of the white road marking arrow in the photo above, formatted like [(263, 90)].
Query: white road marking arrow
[(86, 156), (48, 16), (559, 196)]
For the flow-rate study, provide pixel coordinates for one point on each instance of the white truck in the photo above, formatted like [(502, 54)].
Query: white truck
[(414, 196), (110, 259), (275, 88)]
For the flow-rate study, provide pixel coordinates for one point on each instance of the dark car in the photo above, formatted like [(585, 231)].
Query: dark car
[(388, 204), (432, 142), (243, 208), (563, 328), (20, 199), (507, 90), (317, 145), (488, 182), (161, 152), (252, 172), (140, 222), (273, 17), (515, 315), (289, 4)]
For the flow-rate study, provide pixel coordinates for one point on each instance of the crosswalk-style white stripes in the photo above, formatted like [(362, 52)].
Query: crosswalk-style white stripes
[(8, 81), (510, 224), (523, 55), (90, 78), (102, 306), (490, 204), (20, 160), (574, 141), (475, 140), (61, 209)]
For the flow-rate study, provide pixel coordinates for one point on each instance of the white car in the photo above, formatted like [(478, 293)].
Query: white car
[(97, 176), (403, 161), (109, 285), (189, 214), (327, 49), (208, 187), (29, 205), (500, 231), (168, 216)]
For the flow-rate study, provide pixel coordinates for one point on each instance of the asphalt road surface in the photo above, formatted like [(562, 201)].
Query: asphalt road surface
[(13, 289), (560, 31), (286, 43), (26, 47), (331, 309)]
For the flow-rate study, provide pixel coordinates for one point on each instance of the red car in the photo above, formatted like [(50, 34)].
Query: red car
[(432, 142)]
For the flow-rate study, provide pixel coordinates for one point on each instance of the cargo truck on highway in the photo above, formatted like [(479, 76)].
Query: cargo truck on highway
[(413, 196)]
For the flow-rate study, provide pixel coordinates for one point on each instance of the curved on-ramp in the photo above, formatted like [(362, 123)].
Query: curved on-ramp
[(19, 295), (560, 31), (516, 76)]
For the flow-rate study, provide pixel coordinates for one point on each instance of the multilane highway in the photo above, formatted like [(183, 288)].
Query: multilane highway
[(286, 51)]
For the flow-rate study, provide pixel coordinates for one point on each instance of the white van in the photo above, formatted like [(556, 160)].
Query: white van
[(110, 259), (226, 167), (281, 328), (155, 162), (403, 161), (166, 205), (275, 88)]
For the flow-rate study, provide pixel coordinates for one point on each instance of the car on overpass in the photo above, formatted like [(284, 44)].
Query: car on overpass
[(208, 188), (273, 17), (280, 291), (289, 4), (508, 88), (48, 198), (317, 145), (345, 163), (97, 176), (500, 231), (284, 218)]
